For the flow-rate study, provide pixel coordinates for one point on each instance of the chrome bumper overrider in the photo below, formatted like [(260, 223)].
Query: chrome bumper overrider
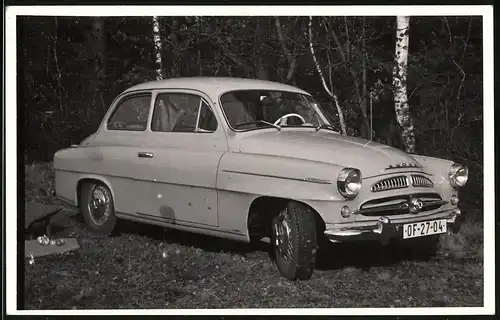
[(386, 228)]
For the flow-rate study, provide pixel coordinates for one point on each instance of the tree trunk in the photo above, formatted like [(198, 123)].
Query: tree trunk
[(99, 46), (198, 46), (362, 102), (401, 105), (157, 47), (291, 58), (325, 86), (364, 90), (261, 31)]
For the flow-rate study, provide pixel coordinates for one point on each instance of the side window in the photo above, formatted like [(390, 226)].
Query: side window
[(208, 121), (175, 112), (131, 114)]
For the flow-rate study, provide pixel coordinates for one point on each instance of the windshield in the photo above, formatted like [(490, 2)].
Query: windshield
[(254, 109)]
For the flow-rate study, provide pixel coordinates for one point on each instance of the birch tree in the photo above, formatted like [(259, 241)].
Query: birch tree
[(328, 90), (401, 105), (157, 48)]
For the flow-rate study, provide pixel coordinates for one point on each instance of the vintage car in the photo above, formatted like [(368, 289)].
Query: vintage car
[(246, 159)]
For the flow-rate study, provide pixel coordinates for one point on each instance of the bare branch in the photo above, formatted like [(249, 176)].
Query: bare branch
[(348, 44), (448, 27), (330, 92), (350, 70), (466, 40), (59, 88), (463, 77), (316, 63), (462, 72)]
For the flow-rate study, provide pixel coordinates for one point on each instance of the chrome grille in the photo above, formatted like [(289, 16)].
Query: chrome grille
[(398, 205), (398, 182), (421, 181)]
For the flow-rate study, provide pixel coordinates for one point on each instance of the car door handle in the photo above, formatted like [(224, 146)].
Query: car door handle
[(145, 155)]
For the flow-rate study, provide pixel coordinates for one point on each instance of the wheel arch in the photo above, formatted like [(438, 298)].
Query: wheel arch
[(263, 208), (95, 179)]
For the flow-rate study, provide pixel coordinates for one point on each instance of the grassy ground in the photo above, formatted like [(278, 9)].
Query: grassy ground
[(149, 267)]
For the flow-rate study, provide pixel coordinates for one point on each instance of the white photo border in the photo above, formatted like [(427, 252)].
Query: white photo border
[(10, 106)]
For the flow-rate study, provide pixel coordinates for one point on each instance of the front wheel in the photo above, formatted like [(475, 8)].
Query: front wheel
[(294, 241)]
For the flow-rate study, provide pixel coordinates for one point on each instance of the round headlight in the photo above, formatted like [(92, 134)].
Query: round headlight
[(349, 182), (458, 175)]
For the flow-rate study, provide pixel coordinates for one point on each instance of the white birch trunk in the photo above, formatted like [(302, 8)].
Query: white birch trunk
[(401, 105), (325, 86), (157, 46)]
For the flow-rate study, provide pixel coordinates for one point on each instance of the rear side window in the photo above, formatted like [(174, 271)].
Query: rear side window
[(131, 114), (175, 112)]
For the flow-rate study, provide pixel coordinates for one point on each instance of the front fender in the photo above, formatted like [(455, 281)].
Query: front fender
[(278, 177), (439, 169)]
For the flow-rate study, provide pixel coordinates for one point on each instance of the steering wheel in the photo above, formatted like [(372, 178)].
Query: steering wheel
[(119, 125), (286, 116)]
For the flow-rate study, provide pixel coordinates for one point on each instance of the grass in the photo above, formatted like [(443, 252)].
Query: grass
[(144, 266)]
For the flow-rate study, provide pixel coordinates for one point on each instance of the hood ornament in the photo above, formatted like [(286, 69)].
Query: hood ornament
[(415, 205), (403, 166)]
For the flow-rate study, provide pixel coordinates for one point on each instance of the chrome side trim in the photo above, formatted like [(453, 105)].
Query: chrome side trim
[(308, 179)]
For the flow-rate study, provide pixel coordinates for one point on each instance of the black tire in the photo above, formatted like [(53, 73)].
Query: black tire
[(107, 225), (299, 260)]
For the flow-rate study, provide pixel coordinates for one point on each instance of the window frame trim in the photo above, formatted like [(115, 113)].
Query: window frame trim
[(200, 95), (119, 101)]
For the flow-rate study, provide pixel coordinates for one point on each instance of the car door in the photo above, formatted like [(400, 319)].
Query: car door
[(114, 150), (179, 160)]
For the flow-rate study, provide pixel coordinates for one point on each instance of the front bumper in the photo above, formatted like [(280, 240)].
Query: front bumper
[(386, 228)]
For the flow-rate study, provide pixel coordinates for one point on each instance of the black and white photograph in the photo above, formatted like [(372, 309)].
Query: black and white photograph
[(249, 160)]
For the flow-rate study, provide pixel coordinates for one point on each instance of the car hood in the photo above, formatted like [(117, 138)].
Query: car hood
[(325, 146)]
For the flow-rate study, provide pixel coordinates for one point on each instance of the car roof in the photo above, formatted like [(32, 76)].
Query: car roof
[(214, 85)]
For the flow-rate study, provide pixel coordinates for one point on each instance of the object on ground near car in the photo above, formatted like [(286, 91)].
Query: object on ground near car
[(39, 213), (247, 159), (34, 249)]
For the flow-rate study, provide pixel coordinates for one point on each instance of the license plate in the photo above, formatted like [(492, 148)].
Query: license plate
[(424, 228)]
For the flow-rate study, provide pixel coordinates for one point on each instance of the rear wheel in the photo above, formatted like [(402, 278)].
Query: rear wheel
[(294, 241), (97, 207)]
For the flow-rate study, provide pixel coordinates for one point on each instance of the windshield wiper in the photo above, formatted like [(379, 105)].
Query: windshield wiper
[(325, 126), (258, 121)]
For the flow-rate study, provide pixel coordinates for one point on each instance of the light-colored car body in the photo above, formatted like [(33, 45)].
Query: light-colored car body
[(210, 183)]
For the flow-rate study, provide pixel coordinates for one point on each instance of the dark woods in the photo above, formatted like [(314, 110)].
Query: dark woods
[(72, 68)]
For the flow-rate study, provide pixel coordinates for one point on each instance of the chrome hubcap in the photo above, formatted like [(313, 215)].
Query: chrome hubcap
[(99, 206), (282, 237)]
